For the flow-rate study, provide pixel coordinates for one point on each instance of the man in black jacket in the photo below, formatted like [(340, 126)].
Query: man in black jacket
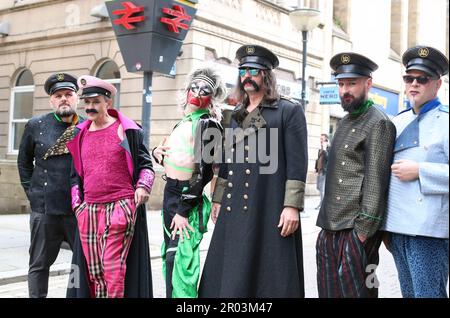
[(44, 168)]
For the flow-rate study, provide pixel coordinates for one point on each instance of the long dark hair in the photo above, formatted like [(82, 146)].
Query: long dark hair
[(269, 85)]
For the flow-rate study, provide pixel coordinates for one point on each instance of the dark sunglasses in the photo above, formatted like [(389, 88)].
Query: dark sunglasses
[(251, 71), (422, 80), (200, 89)]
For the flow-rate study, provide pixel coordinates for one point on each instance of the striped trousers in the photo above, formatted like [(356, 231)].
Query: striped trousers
[(106, 231), (346, 266)]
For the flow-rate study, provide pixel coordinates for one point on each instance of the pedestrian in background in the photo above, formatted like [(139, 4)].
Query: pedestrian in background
[(321, 166)]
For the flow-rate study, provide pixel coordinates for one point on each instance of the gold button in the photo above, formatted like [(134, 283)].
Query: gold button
[(338, 198), (343, 163), (247, 171), (229, 160), (246, 159), (232, 149), (245, 208), (247, 185), (229, 195), (230, 172), (247, 148), (228, 208), (230, 185), (45, 183), (245, 197), (340, 180), (346, 146), (353, 130)]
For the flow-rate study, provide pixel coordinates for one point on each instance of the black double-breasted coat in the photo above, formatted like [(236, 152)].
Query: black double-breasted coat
[(247, 256)]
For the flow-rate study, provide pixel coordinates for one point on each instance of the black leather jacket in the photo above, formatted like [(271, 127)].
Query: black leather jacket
[(46, 182)]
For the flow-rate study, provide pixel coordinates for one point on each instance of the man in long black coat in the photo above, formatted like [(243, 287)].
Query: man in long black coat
[(256, 248)]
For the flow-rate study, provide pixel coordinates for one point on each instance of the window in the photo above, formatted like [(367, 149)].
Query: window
[(21, 108), (109, 71)]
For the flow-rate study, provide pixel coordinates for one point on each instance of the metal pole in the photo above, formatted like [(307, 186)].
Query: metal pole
[(305, 40), (147, 106)]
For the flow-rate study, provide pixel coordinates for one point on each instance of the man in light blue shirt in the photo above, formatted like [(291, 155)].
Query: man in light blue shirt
[(417, 214)]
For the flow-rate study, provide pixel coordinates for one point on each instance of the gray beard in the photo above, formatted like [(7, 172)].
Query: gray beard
[(65, 113), (412, 102)]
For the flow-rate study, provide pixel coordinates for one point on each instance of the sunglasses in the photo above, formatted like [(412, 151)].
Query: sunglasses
[(201, 90), (408, 79), (251, 71)]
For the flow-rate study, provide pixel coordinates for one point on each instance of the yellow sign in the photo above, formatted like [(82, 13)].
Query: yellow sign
[(379, 100)]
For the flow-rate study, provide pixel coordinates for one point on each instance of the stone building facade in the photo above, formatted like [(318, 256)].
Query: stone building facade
[(41, 37)]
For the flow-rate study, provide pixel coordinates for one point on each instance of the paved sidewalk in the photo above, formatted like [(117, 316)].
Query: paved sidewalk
[(14, 244)]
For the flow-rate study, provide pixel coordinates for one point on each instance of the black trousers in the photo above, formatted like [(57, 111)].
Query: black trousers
[(47, 232), (172, 195)]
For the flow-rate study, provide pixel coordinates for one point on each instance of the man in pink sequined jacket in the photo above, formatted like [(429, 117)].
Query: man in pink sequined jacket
[(111, 182)]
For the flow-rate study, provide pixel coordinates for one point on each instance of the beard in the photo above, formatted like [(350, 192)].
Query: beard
[(65, 112), (412, 101), (354, 104)]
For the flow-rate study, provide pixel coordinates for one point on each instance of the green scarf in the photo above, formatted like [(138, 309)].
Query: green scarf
[(367, 104)]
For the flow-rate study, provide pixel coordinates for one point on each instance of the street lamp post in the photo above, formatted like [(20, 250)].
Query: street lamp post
[(304, 20)]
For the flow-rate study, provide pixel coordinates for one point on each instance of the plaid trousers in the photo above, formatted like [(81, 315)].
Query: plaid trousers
[(346, 266), (106, 231)]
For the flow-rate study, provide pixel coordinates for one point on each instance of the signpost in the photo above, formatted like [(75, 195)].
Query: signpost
[(150, 34)]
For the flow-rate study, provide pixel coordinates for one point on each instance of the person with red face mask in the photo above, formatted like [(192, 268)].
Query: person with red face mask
[(187, 156)]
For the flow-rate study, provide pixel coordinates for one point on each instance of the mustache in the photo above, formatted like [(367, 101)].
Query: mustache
[(250, 81), (92, 110), (347, 95)]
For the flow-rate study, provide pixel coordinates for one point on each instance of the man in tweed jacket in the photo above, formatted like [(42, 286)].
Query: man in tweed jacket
[(356, 186)]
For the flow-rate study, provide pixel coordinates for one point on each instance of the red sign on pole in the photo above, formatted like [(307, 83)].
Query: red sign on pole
[(179, 15), (126, 20)]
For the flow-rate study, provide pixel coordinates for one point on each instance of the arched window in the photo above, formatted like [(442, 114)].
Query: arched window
[(21, 108), (109, 71)]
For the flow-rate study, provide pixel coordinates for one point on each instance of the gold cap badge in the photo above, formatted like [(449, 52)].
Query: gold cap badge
[(423, 52), (250, 50), (345, 59), (60, 77)]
